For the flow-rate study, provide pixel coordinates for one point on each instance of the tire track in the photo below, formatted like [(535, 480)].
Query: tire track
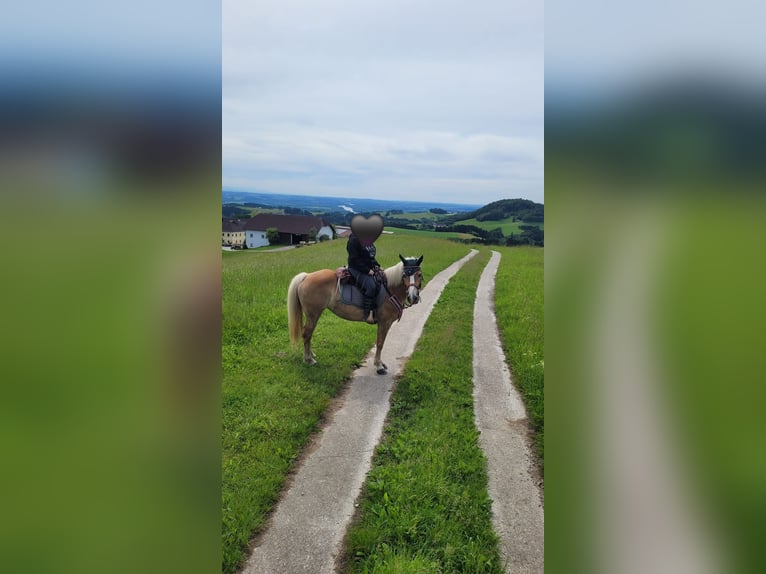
[(307, 527), (517, 507)]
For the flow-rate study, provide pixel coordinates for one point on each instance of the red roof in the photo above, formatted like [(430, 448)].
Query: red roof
[(297, 224)]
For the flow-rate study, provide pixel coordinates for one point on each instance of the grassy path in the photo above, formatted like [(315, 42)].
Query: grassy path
[(425, 506), (271, 401)]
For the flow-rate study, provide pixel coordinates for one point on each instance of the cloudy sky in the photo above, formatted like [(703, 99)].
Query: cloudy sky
[(437, 100)]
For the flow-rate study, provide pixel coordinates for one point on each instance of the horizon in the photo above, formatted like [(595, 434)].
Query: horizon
[(350, 199)]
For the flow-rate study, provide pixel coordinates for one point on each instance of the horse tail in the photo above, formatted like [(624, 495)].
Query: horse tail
[(294, 308)]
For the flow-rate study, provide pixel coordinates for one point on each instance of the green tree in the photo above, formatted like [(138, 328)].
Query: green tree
[(272, 235), (312, 234)]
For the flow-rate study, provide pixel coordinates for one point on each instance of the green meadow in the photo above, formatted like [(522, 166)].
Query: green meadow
[(427, 233), (271, 401), (506, 225)]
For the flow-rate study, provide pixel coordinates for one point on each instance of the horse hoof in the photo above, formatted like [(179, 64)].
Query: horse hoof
[(311, 361), (382, 370)]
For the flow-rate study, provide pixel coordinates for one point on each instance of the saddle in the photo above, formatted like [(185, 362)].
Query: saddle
[(350, 293), (344, 276)]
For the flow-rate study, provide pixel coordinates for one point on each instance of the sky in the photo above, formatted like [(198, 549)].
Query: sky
[(430, 101), (597, 48)]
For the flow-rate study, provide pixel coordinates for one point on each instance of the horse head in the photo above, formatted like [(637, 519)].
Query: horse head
[(412, 277)]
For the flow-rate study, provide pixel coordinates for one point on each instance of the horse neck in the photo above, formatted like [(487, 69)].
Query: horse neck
[(396, 286)]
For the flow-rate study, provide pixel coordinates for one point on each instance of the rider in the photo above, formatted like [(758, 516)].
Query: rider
[(362, 265)]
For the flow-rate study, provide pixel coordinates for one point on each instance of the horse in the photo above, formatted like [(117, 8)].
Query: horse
[(310, 294)]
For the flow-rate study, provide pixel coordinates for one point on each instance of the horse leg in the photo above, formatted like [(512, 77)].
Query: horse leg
[(308, 330), (380, 366)]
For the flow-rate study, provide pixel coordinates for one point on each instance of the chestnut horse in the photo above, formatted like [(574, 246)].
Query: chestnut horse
[(312, 293)]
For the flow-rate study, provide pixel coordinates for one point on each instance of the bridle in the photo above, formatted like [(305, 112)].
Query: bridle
[(413, 291)]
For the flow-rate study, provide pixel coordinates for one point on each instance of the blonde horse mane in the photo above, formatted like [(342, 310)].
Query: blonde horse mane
[(394, 274)]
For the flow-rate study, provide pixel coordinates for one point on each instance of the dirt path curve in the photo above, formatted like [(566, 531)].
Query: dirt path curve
[(308, 525), (517, 508)]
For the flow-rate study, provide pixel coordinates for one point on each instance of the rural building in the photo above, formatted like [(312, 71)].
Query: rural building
[(292, 228), (342, 231), (233, 232)]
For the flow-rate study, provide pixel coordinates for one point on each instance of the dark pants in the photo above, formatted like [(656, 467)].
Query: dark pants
[(367, 286)]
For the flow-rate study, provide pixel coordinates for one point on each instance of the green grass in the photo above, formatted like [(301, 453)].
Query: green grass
[(271, 401), (506, 225), (425, 507), (519, 311), (426, 233), (418, 215)]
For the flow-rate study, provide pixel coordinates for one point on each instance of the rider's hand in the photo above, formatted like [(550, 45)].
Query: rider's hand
[(371, 272)]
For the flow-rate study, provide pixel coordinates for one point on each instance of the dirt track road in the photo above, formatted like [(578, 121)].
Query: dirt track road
[(306, 530), (307, 527), (517, 507)]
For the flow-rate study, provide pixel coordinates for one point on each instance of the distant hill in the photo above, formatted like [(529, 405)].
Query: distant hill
[(517, 209), (503, 222), (232, 211)]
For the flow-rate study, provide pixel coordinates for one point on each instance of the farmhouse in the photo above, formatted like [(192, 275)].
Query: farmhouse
[(292, 228), (342, 231), (233, 232)]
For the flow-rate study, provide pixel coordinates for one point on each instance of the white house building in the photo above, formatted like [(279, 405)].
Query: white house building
[(292, 228)]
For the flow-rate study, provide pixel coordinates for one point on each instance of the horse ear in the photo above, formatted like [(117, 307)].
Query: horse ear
[(403, 260), (420, 260)]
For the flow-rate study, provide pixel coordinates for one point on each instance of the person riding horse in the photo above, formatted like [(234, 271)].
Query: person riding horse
[(363, 266)]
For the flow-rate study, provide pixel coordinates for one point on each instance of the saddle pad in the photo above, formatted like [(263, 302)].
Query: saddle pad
[(351, 295)]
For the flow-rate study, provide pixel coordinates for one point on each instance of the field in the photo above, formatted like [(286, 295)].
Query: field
[(507, 225), (416, 216), (425, 233), (272, 402)]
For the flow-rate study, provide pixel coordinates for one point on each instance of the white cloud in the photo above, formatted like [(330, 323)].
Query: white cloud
[(384, 97)]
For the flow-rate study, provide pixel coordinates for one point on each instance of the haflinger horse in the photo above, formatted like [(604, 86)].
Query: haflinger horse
[(311, 293)]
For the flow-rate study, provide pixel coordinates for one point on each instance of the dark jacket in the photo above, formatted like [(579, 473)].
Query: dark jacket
[(360, 257)]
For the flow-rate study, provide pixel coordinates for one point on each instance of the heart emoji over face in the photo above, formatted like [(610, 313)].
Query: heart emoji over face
[(367, 229)]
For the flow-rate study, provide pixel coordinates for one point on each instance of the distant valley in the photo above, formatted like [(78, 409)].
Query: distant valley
[(504, 222), (358, 205)]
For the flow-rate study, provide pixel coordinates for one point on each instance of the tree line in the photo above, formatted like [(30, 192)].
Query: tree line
[(530, 235)]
